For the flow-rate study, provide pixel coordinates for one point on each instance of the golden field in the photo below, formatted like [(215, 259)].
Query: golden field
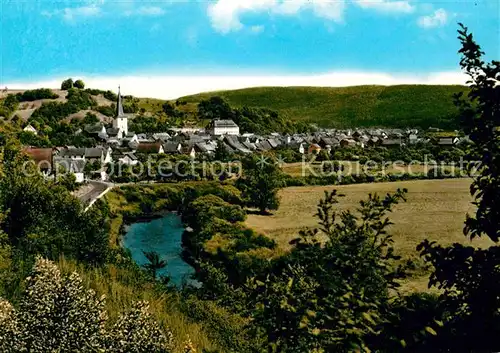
[(435, 210), (303, 169)]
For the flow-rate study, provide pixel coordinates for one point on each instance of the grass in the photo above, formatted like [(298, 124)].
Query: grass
[(359, 106), (111, 281), (300, 169), (435, 210)]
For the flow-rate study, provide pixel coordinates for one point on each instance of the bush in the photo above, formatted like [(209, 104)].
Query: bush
[(67, 84), (79, 84), (57, 313), (32, 95)]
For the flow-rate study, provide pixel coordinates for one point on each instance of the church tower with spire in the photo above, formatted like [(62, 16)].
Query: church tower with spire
[(121, 120)]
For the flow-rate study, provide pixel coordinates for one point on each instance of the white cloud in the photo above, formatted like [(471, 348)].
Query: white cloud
[(71, 14), (146, 11), (171, 87), (387, 6), (225, 14), (437, 19), (257, 29)]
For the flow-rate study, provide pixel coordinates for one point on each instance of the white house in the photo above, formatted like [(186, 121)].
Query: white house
[(31, 129), (224, 127), (128, 159), (73, 166), (190, 151)]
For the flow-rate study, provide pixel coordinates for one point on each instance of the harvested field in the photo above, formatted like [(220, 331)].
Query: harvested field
[(435, 210)]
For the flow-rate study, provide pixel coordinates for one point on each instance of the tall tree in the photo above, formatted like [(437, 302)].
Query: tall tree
[(67, 84), (470, 277), (79, 84), (221, 152), (326, 296), (215, 108), (260, 182), (155, 263)]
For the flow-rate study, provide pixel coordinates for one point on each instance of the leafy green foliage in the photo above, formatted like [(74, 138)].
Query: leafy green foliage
[(221, 153), (150, 124), (327, 296), (205, 209), (256, 120), (346, 107), (79, 84), (53, 112), (261, 180), (154, 264), (35, 94), (8, 105), (67, 84), (44, 218), (215, 108), (468, 277), (57, 313)]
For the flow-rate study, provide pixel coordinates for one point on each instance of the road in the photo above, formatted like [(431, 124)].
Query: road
[(90, 192)]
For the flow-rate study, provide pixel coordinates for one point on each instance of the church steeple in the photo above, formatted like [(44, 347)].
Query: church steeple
[(120, 122), (119, 104)]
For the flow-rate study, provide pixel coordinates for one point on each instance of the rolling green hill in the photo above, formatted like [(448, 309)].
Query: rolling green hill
[(358, 106)]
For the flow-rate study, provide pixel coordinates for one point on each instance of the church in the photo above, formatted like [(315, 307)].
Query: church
[(121, 119), (119, 130)]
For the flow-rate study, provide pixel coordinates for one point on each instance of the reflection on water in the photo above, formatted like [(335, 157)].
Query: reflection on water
[(163, 235)]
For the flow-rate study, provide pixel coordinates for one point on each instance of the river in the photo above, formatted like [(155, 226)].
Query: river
[(163, 235)]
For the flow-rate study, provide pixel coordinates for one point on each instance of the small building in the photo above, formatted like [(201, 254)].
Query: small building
[(42, 158), (447, 141), (128, 158), (263, 146), (235, 144), (31, 129), (172, 148), (73, 166), (98, 129), (347, 142), (314, 148), (223, 127), (395, 142), (114, 133), (161, 136), (189, 151), (150, 148), (99, 154), (412, 138), (72, 153)]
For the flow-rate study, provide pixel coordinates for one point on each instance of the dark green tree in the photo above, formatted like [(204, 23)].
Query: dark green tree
[(155, 263), (261, 180), (67, 84), (221, 152), (469, 277), (44, 218), (79, 84), (169, 109), (90, 119), (327, 295), (215, 108)]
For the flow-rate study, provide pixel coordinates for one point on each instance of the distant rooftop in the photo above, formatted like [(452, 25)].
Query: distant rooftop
[(224, 123)]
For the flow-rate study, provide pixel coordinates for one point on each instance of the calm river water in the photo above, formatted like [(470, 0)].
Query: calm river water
[(163, 235)]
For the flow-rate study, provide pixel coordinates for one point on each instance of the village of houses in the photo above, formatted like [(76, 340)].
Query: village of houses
[(119, 145)]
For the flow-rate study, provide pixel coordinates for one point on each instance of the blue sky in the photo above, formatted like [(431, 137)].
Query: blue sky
[(234, 43)]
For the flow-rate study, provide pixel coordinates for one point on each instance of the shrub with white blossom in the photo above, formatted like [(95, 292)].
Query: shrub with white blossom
[(58, 314)]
